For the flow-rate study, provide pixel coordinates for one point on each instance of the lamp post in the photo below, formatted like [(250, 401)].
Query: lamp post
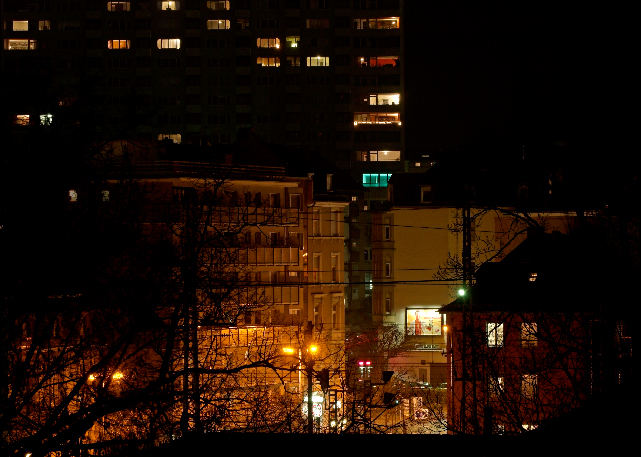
[(307, 360)]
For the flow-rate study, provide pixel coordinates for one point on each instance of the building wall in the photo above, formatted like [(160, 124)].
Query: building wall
[(424, 250), (522, 378), (212, 84)]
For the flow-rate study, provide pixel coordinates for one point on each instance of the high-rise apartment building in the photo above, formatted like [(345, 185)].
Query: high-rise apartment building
[(321, 76)]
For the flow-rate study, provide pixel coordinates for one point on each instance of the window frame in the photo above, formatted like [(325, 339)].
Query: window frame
[(161, 41), (225, 22), (495, 334), (529, 334)]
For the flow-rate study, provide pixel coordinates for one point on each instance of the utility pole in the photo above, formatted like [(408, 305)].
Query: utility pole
[(467, 273), (189, 272), (309, 369)]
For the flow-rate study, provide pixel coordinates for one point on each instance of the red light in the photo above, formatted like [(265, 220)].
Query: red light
[(360, 363), (368, 363)]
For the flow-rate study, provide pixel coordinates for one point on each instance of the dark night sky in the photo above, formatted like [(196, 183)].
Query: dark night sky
[(535, 73)]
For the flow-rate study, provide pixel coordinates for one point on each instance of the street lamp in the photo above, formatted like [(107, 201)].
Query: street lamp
[(308, 363)]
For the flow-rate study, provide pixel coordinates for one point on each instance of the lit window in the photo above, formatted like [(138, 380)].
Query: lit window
[(46, 119), (25, 44), (494, 334), (376, 179), (388, 269), (379, 61), (173, 137), (369, 283), (320, 23), (377, 118), (292, 41), (495, 387), (44, 24), (105, 195), (379, 156), (377, 23), (385, 99), (118, 44), (529, 427), (529, 386), (73, 195), (168, 43), (388, 305), (218, 5), (22, 119), (218, 24), (20, 26), (118, 6), (318, 61), (273, 43), (171, 5), (268, 61), (528, 334), (533, 277)]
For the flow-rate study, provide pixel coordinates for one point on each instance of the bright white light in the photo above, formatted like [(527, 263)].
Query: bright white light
[(461, 292)]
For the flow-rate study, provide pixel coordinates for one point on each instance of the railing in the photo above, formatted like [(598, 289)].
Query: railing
[(269, 256), (238, 215), (155, 168)]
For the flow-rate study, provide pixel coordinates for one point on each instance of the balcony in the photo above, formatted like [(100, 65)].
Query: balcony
[(269, 256)]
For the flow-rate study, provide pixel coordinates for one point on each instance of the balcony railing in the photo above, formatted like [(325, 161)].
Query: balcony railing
[(269, 255)]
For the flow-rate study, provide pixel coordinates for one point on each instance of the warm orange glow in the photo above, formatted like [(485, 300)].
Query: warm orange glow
[(445, 328), (288, 350), (118, 375), (91, 378), (313, 349)]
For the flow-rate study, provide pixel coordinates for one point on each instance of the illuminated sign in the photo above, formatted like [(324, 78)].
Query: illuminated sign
[(423, 322)]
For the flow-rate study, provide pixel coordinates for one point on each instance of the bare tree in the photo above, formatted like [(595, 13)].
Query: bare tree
[(144, 350)]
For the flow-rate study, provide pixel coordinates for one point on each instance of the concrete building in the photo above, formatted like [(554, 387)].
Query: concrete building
[(319, 76)]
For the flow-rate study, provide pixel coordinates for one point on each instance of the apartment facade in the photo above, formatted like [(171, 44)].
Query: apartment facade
[(322, 76), (416, 265)]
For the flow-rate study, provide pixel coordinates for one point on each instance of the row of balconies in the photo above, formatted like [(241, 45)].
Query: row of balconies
[(269, 256)]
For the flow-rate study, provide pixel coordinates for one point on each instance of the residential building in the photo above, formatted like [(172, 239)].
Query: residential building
[(238, 241), (538, 335), (319, 76)]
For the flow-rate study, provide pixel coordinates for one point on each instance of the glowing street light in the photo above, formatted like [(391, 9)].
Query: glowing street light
[(461, 292)]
